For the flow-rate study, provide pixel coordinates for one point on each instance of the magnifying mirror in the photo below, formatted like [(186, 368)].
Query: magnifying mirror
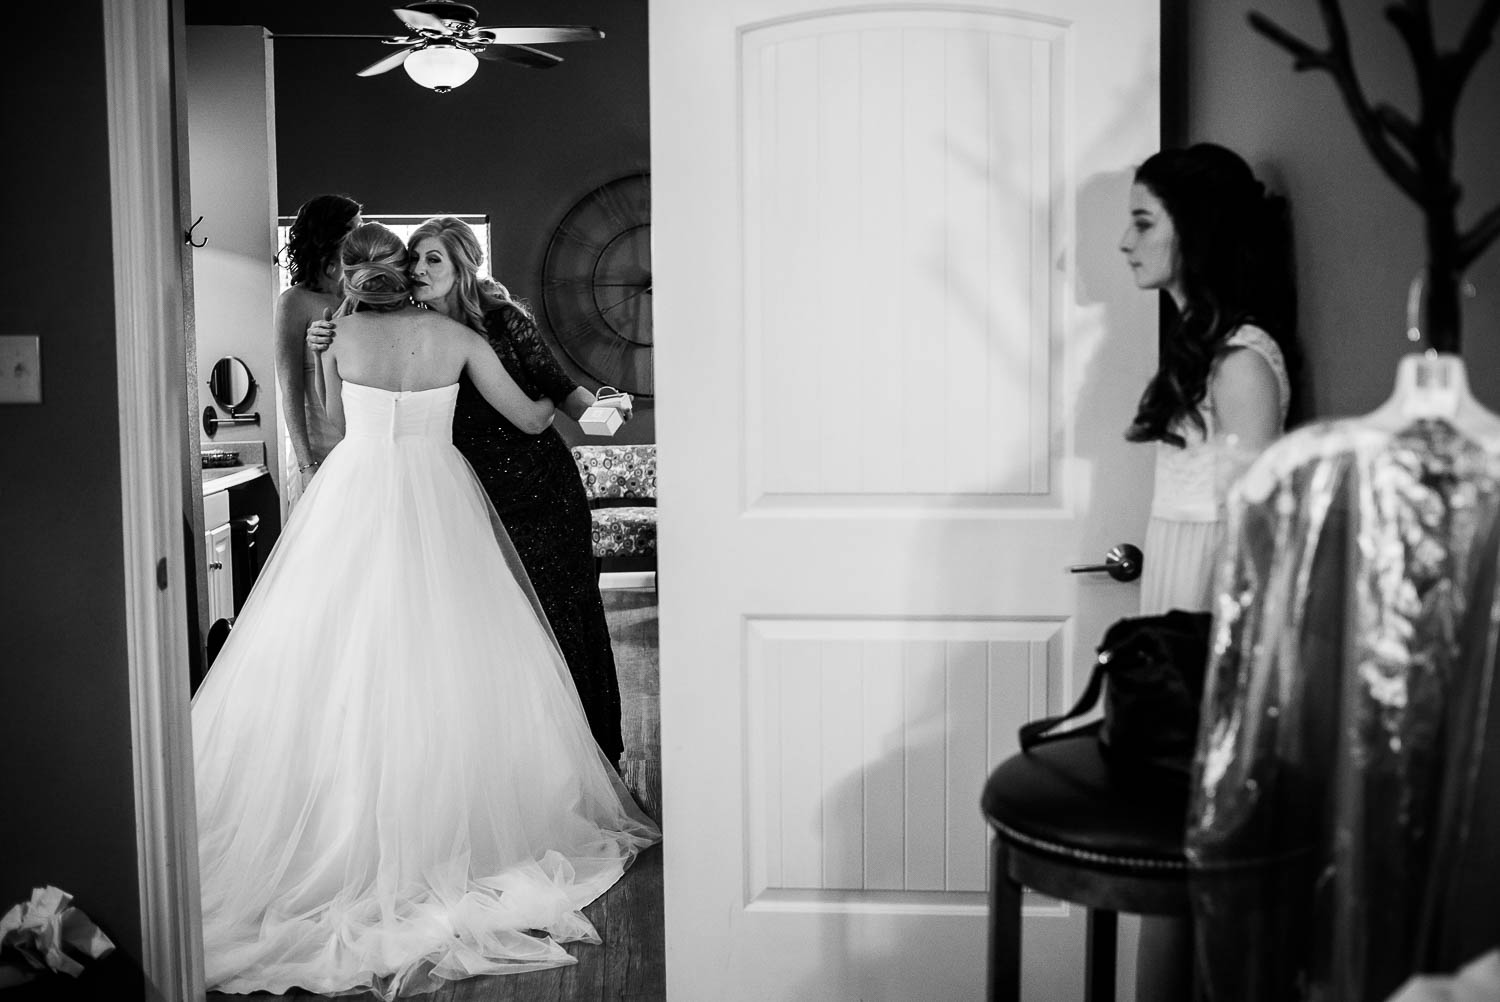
[(231, 383), (232, 386)]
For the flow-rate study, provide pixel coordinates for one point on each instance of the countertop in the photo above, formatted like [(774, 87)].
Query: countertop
[(221, 478)]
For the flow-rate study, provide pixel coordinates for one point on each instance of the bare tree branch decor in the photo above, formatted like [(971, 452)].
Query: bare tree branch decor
[(1416, 154)]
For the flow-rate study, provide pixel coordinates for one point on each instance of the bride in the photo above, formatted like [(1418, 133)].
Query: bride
[(396, 783)]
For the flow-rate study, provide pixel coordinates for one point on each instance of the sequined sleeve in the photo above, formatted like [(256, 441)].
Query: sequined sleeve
[(542, 369)]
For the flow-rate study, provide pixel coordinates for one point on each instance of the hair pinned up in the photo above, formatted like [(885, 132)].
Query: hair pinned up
[(1234, 263), (374, 260)]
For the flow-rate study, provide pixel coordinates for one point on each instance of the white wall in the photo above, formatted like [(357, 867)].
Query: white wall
[(232, 150)]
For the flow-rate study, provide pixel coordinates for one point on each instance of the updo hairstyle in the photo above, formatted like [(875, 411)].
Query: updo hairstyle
[(375, 276)]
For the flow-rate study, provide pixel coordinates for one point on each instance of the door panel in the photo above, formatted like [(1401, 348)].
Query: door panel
[(896, 349), (898, 210), (862, 741)]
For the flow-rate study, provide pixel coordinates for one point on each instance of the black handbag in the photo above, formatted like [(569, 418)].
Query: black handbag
[(1154, 666)]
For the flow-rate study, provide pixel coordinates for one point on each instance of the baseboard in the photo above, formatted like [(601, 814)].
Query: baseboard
[(627, 581)]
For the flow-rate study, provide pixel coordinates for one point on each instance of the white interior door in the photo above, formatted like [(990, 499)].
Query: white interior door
[(896, 350)]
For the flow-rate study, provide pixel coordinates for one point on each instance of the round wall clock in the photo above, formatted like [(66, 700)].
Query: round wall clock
[(596, 284)]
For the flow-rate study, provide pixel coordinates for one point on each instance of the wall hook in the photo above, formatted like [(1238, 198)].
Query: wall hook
[(187, 234)]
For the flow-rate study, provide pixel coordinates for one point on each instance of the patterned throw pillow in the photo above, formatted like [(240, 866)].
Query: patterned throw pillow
[(617, 471)]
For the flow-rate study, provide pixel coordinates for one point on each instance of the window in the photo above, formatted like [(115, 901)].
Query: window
[(403, 225)]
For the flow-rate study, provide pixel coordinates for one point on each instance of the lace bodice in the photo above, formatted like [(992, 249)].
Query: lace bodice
[(1186, 488), (371, 412), (515, 467)]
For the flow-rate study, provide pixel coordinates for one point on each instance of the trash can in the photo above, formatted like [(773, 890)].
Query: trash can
[(242, 544), (217, 634)]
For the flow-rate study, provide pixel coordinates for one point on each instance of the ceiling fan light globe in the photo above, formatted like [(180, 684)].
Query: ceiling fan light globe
[(441, 67)]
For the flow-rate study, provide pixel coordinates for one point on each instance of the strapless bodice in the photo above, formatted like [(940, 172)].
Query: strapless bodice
[(371, 412)]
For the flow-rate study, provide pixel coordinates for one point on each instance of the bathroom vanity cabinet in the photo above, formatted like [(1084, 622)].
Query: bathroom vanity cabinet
[(241, 520)]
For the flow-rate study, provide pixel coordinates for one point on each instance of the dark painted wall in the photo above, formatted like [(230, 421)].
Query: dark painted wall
[(1358, 239), (67, 811), (519, 145)]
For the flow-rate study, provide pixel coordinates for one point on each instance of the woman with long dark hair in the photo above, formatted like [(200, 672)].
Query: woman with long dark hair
[(312, 258), (1204, 232)]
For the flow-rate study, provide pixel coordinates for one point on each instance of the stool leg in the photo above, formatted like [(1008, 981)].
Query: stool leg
[(1005, 929), (1100, 950)]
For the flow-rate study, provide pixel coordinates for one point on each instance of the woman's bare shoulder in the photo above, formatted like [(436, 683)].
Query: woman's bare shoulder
[(300, 301), (436, 324), (298, 294)]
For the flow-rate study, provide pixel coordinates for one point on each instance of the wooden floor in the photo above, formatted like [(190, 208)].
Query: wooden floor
[(630, 965)]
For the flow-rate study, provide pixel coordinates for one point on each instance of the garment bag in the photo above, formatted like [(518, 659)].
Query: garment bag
[(1338, 831)]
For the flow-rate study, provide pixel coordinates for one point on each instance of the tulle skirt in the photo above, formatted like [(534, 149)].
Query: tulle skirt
[(396, 784)]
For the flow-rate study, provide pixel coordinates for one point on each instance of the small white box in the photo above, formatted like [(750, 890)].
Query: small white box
[(600, 420)]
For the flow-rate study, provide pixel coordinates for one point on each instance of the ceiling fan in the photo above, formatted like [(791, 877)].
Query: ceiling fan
[(443, 45)]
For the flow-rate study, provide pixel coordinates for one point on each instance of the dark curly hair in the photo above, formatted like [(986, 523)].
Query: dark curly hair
[(1234, 262), (314, 237)]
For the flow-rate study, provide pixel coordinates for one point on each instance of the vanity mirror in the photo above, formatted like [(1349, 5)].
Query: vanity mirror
[(232, 387), (231, 383)]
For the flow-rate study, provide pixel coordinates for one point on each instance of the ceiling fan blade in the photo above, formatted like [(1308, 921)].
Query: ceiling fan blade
[(285, 34), (524, 55), (539, 34), (390, 62), (420, 20)]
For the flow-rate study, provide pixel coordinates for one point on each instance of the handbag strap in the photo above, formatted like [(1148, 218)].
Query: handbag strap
[(1035, 732)]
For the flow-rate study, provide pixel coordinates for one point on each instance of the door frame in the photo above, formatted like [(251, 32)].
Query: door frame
[(149, 347)]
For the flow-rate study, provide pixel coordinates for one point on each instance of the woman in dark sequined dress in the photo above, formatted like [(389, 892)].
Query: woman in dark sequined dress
[(531, 479)]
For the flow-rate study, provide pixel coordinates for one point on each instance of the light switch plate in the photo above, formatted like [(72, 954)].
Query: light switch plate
[(20, 369)]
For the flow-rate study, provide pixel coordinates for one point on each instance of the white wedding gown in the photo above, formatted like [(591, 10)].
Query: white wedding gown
[(396, 783)]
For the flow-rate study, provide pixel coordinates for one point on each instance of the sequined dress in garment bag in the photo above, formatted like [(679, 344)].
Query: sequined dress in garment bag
[(1340, 828), (396, 784)]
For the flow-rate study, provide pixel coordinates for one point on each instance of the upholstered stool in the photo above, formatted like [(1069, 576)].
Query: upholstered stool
[(1070, 825), (617, 480)]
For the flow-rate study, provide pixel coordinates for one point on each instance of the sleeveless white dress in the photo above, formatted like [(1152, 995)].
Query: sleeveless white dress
[(1186, 532), (322, 436), (396, 783)]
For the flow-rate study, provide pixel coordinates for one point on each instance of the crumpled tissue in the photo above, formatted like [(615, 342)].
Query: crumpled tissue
[(43, 927)]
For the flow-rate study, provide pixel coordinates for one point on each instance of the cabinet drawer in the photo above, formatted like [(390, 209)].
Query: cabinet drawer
[(215, 510)]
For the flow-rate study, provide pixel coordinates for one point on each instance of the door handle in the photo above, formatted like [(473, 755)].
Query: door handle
[(1123, 563)]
